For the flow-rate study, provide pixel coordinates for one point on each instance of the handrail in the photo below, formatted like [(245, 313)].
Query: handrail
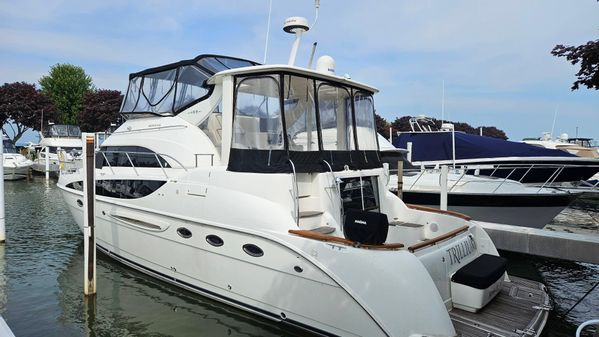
[(434, 241), (434, 210), (132, 165), (295, 193), (328, 238), (418, 178), (459, 179), (107, 162), (504, 180), (161, 167), (552, 177), (337, 189)]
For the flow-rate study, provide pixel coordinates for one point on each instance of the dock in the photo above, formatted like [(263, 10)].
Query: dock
[(581, 247)]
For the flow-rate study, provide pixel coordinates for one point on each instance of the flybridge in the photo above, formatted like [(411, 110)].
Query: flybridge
[(170, 89)]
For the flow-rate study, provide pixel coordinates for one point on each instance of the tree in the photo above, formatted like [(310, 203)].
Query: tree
[(382, 126), (22, 107), (403, 124), (588, 57), (66, 85), (100, 109)]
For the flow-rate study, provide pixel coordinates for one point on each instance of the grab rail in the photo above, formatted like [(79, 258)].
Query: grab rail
[(328, 238), (434, 241), (132, 165), (337, 189), (295, 193), (434, 210)]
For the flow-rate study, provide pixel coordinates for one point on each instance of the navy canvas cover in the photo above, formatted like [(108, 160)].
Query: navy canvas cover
[(436, 146)]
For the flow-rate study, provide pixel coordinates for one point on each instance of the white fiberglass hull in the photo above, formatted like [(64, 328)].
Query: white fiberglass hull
[(305, 283), (16, 166)]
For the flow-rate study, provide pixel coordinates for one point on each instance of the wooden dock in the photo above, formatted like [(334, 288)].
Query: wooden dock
[(520, 309)]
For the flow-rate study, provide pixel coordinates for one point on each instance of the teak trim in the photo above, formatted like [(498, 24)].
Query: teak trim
[(328, 238), (434, 210), (433, 241)]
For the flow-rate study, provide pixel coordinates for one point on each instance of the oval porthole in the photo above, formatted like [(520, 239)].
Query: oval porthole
[(252, 250), (214, 240), (79, 203), (184, 232)]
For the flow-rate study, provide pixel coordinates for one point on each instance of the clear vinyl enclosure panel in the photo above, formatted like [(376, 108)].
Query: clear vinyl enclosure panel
[(258, 123), (317, 115)]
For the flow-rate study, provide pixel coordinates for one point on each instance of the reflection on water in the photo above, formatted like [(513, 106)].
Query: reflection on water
[(41, 284)]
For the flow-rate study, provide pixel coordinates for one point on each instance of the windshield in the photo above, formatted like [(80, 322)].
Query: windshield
[(57, 130)]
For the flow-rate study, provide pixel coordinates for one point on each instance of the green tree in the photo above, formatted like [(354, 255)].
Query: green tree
[(22, 107), (66, 85)]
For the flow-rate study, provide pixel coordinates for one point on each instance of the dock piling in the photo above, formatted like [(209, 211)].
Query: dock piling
[(400, 179), (47, 163), (89, 197), (443, 185), (2, 220)]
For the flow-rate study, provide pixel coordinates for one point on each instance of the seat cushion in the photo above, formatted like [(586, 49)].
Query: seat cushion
[(482, 272)]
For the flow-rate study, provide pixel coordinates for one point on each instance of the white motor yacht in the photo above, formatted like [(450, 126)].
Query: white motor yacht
[(63, 143), (16, 166), (221, 182)]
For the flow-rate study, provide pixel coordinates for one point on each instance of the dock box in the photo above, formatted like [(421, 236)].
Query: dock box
[(477, 283)]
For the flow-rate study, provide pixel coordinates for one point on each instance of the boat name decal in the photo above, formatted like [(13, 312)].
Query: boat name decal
[(461, 250)]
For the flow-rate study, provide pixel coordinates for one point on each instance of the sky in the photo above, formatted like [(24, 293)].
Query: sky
[(491, 59)]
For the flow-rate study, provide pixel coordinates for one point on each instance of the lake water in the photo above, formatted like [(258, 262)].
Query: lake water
[(41, 282)]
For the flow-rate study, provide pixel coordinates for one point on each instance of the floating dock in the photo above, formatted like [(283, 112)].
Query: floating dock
[(543, 242)]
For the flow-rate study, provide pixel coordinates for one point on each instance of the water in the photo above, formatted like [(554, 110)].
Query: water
[(41, 282)]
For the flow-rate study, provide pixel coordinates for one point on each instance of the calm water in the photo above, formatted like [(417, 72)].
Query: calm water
[(41, 282)]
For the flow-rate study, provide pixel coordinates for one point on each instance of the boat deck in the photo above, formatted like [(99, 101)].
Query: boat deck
[(520, 309)]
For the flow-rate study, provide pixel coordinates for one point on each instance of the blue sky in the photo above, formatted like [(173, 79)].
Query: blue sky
[(493, 56)]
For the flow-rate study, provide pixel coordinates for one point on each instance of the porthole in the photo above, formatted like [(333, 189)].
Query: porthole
[(252, 250), (298, 269), (184, 232), (79, 203), (214, 240)]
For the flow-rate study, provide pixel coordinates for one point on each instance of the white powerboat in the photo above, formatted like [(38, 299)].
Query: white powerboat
[(483, 198), (221, 182), (16, 166), (63, 143)]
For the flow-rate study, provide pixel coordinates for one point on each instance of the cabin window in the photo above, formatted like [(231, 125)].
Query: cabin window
[(334, 106), (300, 113), (122, 189), (365, 125), (257, 124), (127, 155)]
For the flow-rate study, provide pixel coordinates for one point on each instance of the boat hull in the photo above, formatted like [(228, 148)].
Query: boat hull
[(520, 210)]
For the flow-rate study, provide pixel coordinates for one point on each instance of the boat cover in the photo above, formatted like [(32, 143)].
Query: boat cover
[(436, 146)]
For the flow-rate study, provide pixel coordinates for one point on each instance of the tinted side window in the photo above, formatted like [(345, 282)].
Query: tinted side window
[(127, 155)]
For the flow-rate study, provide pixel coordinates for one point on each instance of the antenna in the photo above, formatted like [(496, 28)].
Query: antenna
[(554, 118), (443, 103), (267, 31), (295, 25), (312, 55)]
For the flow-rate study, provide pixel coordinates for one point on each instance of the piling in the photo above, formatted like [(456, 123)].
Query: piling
[(443, 185), (2, 219), (400, 179), (409, 148), (89, 197), (47, 163)]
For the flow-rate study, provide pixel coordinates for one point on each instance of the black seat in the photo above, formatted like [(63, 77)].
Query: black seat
[(366, 227), (482, 272)]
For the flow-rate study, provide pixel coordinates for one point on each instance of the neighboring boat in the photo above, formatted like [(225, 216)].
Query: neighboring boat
[(16, 166), (64, 146), (483, 198), (261, 186), (493, 157), (581, 147)]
